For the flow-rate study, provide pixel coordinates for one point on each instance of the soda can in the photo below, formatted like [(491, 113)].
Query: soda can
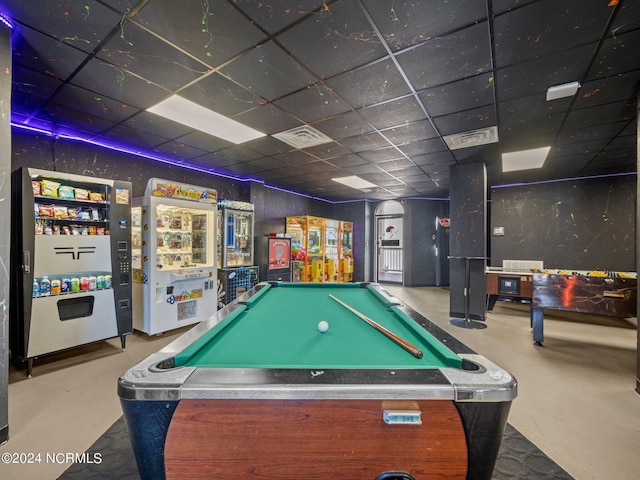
[(55, 287), (84, 284), (92, 283), (65, 285), (75, 284), (100, 282), (107, 281)]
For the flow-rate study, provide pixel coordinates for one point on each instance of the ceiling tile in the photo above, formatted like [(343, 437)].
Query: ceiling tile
[(150, 58), (81, 24), (99, 106), (267, 119), (366, 141), (313, 102), (472, 92), (212, 31), (204, 141), (239, 153), (370, 84), (467, 120), (268, 71), (278, 14), (423, 147), (30, 89), (617, 55), (343, 126), (545, 27), (45, 54), (537, 75), (221, 95), (114, 82), (178, 149), (403, 25), (412, 132), (397, 112), (327, 150), (334, 40), (461, 54)]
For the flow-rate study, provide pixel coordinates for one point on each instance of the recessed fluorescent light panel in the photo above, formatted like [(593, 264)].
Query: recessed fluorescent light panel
[(196, 116), (354, 182), (524, 159), (561, 91), (472, 138)]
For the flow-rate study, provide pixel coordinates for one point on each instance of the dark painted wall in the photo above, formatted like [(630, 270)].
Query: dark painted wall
[(419, 224), (578, 224), (359, 214), (271, 205), (39, 151), (420, 264)]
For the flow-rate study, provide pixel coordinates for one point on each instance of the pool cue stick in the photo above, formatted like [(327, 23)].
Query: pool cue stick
[(416, 352)]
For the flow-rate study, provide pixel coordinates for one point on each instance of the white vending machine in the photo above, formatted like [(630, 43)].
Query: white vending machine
[(173, 256), (71, 263)]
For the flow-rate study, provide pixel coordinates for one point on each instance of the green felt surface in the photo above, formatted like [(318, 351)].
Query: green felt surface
[(278, 328)]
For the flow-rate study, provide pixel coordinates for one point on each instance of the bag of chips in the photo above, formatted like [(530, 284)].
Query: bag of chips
[(49, 188), (65, 191)]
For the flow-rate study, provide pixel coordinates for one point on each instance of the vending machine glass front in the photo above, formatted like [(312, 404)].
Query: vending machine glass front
[(181, 238)]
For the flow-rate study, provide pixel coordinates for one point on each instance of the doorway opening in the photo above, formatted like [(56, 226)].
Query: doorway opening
[(389, 245)]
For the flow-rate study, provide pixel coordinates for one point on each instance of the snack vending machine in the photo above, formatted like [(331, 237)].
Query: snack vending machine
[(70, 262), (174, 261)]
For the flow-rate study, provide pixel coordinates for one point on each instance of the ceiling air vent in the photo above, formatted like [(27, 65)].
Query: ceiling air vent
[(302, 137), (472, 138)]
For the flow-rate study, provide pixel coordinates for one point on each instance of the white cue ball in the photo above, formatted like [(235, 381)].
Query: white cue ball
[(323, 326)]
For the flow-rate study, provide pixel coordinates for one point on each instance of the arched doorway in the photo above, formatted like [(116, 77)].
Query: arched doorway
[(389, 259)]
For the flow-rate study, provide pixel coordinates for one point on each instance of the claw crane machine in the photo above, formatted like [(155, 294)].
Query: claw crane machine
[(332, 250), (237, 272), (346, 252), (173, 256), (70, 262), (308, 246)]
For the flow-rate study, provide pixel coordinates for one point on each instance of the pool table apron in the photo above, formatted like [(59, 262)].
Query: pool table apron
[(313, 439)]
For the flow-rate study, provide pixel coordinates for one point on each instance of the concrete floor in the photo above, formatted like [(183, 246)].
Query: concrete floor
[(576, 397)]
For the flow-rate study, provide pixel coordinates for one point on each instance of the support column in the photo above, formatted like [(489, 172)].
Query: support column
[(638, 227), (5, 222), (468, 244)]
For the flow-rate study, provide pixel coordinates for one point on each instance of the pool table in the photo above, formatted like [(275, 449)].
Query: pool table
[(258, 391)]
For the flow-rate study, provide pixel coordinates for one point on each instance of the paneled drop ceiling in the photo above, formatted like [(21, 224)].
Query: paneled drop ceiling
[(381, 82)]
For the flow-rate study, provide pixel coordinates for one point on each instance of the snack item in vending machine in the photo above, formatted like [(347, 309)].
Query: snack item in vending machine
[(65, 191), (49, 188), (96, 197), (82, 194)]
